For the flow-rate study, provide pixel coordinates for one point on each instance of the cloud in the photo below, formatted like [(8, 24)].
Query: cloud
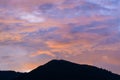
[(34, 31), (31, 18), (10, 37), (40, 52)]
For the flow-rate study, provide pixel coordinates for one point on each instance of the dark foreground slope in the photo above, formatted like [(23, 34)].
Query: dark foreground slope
[(8, 75), (64, 70)]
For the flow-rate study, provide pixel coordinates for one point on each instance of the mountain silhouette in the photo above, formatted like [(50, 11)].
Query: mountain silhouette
[(9, 75), (65, 70)]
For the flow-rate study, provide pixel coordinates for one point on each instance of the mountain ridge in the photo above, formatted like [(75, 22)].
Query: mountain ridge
[(66, 70), (9, 75)]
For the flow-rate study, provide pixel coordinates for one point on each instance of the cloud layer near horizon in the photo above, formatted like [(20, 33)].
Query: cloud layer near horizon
[(33, 32)]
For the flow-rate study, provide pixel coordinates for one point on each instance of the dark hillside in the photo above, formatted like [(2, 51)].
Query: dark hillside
[(65, 70)]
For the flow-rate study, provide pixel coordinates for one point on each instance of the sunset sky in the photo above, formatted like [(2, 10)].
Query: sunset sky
[(32, 32)]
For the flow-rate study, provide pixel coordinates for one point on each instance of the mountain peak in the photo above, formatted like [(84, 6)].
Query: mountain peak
[(58, 61), (66, 70)]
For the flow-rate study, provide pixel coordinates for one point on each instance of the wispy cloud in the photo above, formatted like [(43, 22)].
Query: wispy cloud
[(35, 31)]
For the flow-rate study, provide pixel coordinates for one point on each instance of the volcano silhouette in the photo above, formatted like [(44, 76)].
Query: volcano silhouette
[(65, 70)]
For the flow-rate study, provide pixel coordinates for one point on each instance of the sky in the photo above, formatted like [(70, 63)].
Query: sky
[(33, 32)]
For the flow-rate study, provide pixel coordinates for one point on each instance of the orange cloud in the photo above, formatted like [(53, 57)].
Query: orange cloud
[(40, 52), (12, 37)]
